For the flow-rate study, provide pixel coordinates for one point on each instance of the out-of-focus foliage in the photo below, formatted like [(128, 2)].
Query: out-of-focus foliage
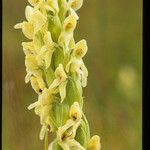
[(113, 105)]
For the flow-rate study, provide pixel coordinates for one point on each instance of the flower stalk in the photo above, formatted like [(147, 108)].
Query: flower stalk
[(57, 73)]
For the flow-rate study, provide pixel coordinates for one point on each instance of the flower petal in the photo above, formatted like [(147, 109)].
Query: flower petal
[(43, 131), (85, 75), (28, 48), (62, 90), (75, 4)]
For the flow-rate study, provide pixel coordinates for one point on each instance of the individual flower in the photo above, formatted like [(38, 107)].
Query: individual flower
[(28, 48), (75, 111), (94, 143), (60, 82), (80, 49), (43, 108), (35, 22), (66, 35), (67, 133), (37, 84), (76, 64), (69, 23), (45, 54), (44, 99)]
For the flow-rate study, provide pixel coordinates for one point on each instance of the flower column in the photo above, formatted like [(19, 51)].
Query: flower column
[(57, 73)]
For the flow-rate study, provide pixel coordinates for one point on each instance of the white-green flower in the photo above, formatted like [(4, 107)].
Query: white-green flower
[(45, 54), (60, 82), (28, 48), (76, 64), (94, 143), (35, 22), (67, 133), (37, 84), (66, 36)]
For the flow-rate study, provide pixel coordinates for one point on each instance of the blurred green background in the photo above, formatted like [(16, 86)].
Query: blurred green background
[(113, 97)]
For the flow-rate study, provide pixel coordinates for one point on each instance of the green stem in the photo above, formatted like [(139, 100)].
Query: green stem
[(46, 141)]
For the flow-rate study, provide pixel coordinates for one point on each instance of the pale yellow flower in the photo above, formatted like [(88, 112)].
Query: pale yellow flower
[(70, 23), (60, 82), (66, 135), (44, 99), (66, 36), (80, 49), (35, 17), (45, 54), (28, 48), (75, 111), (94, 143), (42, 108), (37, 84), (27, 29), (35, 22), (76, 64)]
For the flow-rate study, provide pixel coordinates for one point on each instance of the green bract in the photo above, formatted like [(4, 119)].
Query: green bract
[(56, 71)]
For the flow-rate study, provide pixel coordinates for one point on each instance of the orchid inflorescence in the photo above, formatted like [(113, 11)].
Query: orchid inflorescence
[(56, 71)]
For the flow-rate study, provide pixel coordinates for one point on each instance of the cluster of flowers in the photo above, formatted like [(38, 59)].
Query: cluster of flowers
[(57, 72)]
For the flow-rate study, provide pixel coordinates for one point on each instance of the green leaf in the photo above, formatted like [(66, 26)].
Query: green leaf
[(59, 112), (74, 92), (58, 57), (49, 75), (54, 26), (82, 135)]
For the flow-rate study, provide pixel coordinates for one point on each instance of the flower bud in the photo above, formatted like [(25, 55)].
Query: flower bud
[(35, 17), (75, 4), (80, 49), (94, 143), (60, 73)]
